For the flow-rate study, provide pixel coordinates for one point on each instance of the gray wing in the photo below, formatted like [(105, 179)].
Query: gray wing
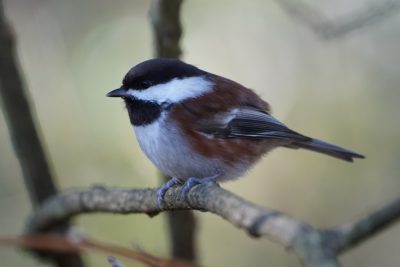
[(253, 124), (249, 123)]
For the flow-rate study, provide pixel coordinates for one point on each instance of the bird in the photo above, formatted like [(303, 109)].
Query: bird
[(198, 127)]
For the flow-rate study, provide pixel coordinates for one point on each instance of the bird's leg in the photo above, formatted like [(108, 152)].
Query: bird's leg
[(164, 188), (195, 181)]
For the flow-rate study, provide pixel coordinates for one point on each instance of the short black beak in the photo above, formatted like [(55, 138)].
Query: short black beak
[(120, 92)]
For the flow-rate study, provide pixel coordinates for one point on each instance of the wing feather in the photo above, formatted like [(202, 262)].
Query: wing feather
[(247, 122)]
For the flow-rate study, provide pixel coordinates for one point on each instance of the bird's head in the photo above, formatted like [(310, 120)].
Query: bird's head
[(155, 83), (161, 79)]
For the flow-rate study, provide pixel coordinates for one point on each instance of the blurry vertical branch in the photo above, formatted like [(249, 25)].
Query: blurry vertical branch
[(22, 129), (20, 122), (167, 30)]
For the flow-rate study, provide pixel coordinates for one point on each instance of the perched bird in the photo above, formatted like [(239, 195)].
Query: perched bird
[(198, 127)]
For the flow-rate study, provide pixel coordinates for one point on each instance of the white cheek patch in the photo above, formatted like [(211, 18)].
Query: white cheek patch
[(175, 90)]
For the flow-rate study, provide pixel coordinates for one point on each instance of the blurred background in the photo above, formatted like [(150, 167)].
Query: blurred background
[(343, 90)]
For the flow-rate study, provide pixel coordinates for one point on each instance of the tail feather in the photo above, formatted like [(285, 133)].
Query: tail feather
[(328, 149)]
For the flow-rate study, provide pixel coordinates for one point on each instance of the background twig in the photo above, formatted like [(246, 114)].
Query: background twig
[(350, 234), (20, 121), (167, 29), (23, 132), (329, 29), (114, 262)]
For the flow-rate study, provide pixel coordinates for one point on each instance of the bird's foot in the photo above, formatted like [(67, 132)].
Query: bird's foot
[(191, 182), (164, 188)]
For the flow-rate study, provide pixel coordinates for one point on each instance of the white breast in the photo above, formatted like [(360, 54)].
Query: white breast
[(172, 155)]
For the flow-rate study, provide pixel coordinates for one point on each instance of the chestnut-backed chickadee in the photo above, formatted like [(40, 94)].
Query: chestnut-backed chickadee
[(198, 127)]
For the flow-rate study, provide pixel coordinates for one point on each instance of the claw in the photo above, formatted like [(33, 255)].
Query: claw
[(164, 188), (191, 182)]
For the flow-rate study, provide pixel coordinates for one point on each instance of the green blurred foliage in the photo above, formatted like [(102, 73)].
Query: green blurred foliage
[(345, 91)]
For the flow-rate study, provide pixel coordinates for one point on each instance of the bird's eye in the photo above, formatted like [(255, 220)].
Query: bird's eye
[(145, 84)]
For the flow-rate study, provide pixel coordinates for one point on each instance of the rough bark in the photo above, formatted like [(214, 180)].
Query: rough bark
[(315, 247)]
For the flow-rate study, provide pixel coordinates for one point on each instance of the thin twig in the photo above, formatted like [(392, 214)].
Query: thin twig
[(350, 234), (329, 29), (315, 247), (114, 262)]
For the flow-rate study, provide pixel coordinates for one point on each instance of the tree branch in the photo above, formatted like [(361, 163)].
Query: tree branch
[(182, 229), (328, 29), (167, 30), (17, 111), (351, 234), (315, 247), (23, 132)]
